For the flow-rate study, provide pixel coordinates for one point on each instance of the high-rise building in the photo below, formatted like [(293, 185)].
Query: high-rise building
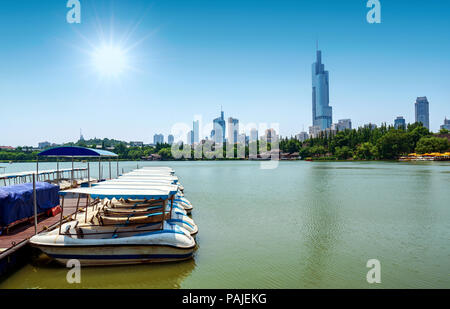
[(271, 135), (322, 112), (158, 139), (446, 124), (253, 135), (196, 130), (399, 122), (422, 108), (233, 130), (302, 136), (218, 132), (242, 139), (170, 139), (190, 137)]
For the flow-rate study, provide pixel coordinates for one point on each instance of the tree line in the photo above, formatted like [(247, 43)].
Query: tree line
[(365, 143)]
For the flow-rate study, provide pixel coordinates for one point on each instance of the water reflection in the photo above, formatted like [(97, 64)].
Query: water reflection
[(323, 224), (142, 276)]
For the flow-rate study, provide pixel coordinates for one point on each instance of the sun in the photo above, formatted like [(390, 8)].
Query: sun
[(109, 60)]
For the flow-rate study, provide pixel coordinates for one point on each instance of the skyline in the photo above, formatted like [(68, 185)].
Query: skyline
[(191, 58)]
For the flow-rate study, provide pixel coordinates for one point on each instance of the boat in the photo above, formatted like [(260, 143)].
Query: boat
[(123, 243)]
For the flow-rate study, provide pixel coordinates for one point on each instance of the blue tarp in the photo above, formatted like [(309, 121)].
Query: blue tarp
[(16, 202)]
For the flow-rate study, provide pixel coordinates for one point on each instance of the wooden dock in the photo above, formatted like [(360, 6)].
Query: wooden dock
[(18, 236)]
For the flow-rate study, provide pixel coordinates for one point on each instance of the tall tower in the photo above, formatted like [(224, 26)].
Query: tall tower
[(422, 109), (219, 129), (322, 112)]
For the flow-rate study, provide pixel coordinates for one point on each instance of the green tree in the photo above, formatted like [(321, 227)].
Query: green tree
[(366, 151), (432, 144), (393, 144), (165, 153), (343, 153)]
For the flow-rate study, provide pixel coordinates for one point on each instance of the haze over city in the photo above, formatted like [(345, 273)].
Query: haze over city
[(191, 58)]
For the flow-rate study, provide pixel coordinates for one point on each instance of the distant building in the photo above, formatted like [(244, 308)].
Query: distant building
[(81, 136), (136, 144), (344, 124), (370, 126), (446, 124), (190, 137), (314, 131), (253, 135), (7, 148), (158, 139), (44, 145), (196, 131), (302, 136), (400, 122), (218, 132), (242, 139), (271, 135), (233, 130), (422, 111), (170, 139), (322, 112)]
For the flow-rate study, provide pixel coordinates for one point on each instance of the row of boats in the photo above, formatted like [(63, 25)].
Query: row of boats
[(140, 217)]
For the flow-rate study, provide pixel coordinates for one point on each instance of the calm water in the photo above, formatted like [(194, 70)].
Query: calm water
[(301, 225)]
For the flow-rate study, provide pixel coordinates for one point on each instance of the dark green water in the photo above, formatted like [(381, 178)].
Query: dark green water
[(301, 225)]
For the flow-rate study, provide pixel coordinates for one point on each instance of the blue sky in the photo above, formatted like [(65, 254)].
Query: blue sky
[(190, 57)]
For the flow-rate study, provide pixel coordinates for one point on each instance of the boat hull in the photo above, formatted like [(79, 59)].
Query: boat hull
[(117, 255)]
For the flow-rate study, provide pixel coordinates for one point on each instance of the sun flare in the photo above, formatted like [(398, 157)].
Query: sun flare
[(109, 60)]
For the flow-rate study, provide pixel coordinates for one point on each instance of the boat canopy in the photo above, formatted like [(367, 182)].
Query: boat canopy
[(133, 183), (155, 192), (73, 151)]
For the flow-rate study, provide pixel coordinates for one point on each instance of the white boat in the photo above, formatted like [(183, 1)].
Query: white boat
[(94, 244), (106, 246)]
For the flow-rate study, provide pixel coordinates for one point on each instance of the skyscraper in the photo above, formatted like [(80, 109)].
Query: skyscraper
[(218, 133), (196, 130), (400, 122), (190, 137), (233, 130), (158, 139), (253, 135), (423, 111), (322, 112), (170, 139)]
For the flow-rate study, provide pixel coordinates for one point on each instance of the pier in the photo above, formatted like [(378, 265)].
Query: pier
[(13, 245)]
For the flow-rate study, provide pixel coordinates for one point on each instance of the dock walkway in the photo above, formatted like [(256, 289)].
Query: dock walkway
[(17, 237)]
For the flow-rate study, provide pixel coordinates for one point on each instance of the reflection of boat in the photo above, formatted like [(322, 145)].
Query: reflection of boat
[(124, 243)]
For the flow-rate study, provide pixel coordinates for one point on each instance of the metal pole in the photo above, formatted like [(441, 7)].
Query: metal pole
[(37, 168), (99, 169), (117, 167), (72, 173), (35, 204), (110, 175), (61, 217), (57, 170), (89, 174)]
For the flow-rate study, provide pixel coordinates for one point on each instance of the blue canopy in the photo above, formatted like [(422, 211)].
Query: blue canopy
[(16, 202), (73, 151)]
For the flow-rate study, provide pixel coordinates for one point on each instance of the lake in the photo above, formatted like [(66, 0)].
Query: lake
[(300, 225)]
